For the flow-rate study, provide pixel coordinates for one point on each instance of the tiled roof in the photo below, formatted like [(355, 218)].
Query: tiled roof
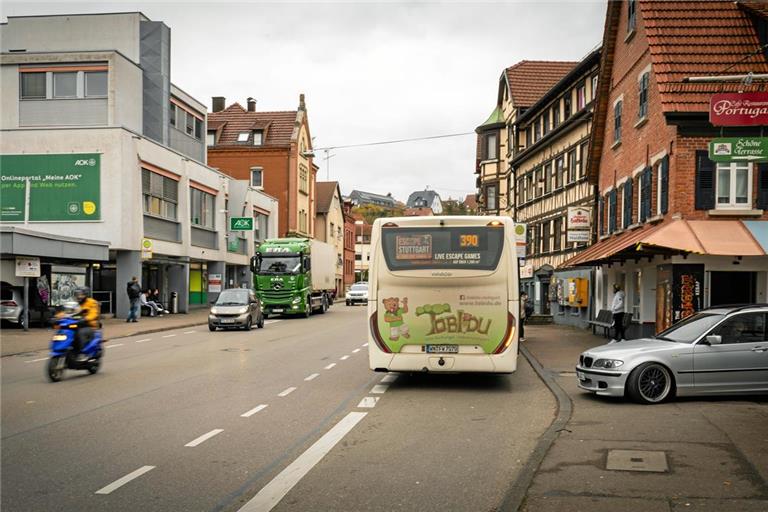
[(688, 39), (471, 201), (418, 212), (324, 191), (529, 80), (278, 126)]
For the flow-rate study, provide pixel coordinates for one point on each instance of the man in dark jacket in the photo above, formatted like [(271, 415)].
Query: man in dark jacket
[(134, 292)]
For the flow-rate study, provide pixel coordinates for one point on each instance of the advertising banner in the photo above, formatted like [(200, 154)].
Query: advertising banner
[(63, 187), (27, 267), (687, 290), (578, 224), (214, 283), (734, 149), (739, 109)]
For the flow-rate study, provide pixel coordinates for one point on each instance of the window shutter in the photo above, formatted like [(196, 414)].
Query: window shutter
[(647, 189), (628, 196), (705, 181), (762, 186), (664, 182), (601, 215), (613, 211)]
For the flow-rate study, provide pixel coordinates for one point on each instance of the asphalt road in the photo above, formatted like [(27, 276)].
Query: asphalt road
[(288, 417)]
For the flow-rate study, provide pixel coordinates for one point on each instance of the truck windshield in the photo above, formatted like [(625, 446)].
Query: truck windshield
[(280, 265)]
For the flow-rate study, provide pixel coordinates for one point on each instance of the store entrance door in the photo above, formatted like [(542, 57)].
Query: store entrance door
[(732, 288)]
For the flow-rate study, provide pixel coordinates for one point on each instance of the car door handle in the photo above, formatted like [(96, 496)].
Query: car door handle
[(759, 349)]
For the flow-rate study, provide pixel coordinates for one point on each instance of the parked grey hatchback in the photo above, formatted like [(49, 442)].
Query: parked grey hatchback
[(236, 308), (722, 350)]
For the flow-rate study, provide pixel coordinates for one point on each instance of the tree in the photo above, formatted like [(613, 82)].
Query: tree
[(371, 212), (454, 207)]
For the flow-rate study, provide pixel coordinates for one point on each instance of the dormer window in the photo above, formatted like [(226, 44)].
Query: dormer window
[(243, 136), (258, 137), (210, 138)]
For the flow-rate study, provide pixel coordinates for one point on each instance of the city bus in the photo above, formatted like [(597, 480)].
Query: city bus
[(443, 295)]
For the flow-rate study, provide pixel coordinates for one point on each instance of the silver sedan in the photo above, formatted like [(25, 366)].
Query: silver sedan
[(717, 351)]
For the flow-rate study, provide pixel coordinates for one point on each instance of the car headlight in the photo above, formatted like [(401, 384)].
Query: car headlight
[(607, 363), (296, 300)]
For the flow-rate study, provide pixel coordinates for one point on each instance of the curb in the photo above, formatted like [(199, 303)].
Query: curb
[(516, 494)]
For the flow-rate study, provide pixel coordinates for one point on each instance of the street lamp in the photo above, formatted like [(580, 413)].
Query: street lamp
[(359, 223)]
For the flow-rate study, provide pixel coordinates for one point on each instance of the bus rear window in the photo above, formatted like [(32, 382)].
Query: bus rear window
[(473, 248)]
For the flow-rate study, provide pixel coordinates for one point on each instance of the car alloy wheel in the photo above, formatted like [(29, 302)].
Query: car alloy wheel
[(650, 383)]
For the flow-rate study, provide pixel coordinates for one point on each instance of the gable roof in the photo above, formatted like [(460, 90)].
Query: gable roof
[(719, 39), (427, 195), (471, 201), (370, 197), (278, 126), (529, 80), (324, 192)]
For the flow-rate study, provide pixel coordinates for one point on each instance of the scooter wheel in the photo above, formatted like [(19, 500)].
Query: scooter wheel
[(94, 366), (55, 369)]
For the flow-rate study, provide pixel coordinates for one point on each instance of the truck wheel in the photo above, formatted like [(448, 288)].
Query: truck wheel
[(324, 305), (308, 309)]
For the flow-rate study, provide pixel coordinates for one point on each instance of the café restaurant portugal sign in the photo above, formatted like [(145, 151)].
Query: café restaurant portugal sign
[(739, 109)]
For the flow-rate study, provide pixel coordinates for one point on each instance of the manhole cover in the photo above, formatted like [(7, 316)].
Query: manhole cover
[(637, 460), (235, 350)]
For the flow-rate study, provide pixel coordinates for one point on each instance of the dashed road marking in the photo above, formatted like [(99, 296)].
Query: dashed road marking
[(145, 339), (368, 402), (169, 336), (344, 358), (253, 411), (204, 437), (267, 322), (379, 388), (37, 360), (124, 480), (287, 391), (310, 377), (365, 344), (113, 345), (356, 351), (330, 366), (271, 494), (189, 332), (389, 378)]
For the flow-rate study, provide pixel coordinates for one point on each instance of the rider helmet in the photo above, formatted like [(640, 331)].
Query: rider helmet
[(82, 293)]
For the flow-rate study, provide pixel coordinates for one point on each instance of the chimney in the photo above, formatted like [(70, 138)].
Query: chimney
[(217, 103), (251, 105), (301, 102)]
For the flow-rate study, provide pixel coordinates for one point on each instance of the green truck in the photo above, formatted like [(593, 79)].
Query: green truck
[(294, 276)]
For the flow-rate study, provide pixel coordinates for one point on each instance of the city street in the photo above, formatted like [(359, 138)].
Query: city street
[(287, 417)]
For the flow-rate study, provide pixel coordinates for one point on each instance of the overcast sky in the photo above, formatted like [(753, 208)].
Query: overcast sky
[(371, 71)]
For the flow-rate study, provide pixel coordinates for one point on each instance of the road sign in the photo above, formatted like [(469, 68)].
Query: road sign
[(27, 267), (739, 149), (521, 234), (241, 223), (146, 249)]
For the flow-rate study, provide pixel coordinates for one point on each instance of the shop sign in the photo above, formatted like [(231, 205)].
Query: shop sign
[(146, 249), (521, 238), (526, 271), (734, 149), (214, 283), (687, 290), (27, 267), (62, 187), (739, 109), (577, 236), (241, 223), (578, 224)]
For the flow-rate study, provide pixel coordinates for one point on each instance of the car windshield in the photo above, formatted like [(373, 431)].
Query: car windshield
[(690, 329), (279, 265), (233, 298), (359, 288)]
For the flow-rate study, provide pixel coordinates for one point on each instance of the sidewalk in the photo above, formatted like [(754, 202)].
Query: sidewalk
[(716, 448), (16, 341)]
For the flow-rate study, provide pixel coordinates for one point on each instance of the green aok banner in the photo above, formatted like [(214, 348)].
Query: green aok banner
[(62, 187)]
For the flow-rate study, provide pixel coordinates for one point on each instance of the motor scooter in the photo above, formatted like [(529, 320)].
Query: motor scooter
[(64, 357)]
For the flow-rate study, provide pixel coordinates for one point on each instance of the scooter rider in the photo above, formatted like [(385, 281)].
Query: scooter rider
[(90, 319)]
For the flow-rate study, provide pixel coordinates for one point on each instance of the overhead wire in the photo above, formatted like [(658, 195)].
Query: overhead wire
[(394, 141)]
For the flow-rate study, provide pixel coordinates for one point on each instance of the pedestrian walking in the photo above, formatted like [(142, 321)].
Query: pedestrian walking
[(617, 308), (134, 295), (523, 314)]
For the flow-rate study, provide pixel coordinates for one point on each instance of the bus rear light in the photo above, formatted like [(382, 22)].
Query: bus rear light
[(509, 334), (376, 334), (389, 225), (495, 224)]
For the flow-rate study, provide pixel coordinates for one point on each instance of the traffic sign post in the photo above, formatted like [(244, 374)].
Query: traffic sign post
[(241, 223), (26, 268), (739, 149)]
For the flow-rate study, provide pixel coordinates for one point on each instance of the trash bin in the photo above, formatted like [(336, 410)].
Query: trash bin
[(174, 302)]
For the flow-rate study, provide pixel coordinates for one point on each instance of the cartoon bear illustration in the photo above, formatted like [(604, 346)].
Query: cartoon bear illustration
[(394, 317)]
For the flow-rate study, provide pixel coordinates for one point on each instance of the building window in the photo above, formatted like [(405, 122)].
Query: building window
[(491, 197), (172, 114), (95, 84), (210, 138), (572, 166), (303, 179), (734, 185), (631, 15), (190, 124), (558, 232), (33, 86), (627, 198), (617, 122), (258, 137), (548, 177), (260, 227), (555, 116), (642, 110), (583, 162), (257, 177), (490, 146), (537, 130), (528, 136), (594, 87), (160, 193), (538, 181), (545, 235), (302, 221), (243, 136), (545, 123), (612, 211), (559, 171), (202, 208), (567, 105), (581, 96), (65, 85)]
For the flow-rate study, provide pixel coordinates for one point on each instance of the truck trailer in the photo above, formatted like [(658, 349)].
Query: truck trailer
[(294, 276)]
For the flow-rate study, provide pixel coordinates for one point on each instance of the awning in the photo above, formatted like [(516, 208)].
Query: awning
[(18, 241), (710, 237)]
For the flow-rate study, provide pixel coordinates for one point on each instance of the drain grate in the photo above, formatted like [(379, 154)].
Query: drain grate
[(637, 460)]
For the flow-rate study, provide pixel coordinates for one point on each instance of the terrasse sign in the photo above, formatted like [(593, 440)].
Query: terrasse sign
[(735, 149), (739, 109)]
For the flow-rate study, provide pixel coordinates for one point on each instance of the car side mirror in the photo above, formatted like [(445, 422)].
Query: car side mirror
[(714, 339)]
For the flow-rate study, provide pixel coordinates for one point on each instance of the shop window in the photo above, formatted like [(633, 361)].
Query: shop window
[(95, 84), (65, 85), (257, 177), (733, 185), (160, 194), (637, 287), (33, 86), (202, 208)]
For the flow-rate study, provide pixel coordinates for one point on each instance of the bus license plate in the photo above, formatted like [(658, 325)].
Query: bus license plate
[(442, 349)]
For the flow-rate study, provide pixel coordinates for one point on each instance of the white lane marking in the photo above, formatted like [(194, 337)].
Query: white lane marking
[(145, 339), (169, 336), (287, 391), (253, 411), (330, 366), (267, 322), (389, 378), (313, 376), (356, 351), (204, 437), (36, 360), (189, 332), (379, 388), (124, 480), (113, 345), (365, 345), (368, 402), (344, 358), (271, 494)]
